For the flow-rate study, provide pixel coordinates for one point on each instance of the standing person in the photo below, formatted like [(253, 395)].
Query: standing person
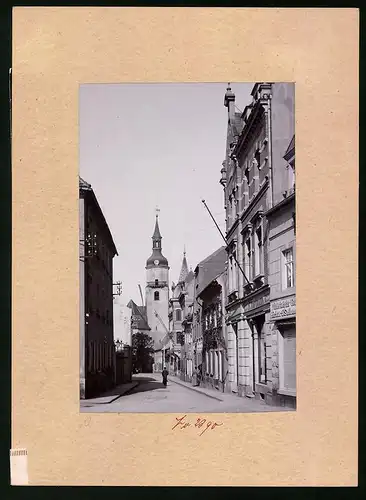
[(165, 376), (195, 377)]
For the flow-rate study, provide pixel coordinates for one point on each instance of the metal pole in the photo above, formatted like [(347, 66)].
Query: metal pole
[(223, 237)]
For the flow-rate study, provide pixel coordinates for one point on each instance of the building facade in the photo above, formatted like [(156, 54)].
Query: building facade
[(176, 317), (282, 279), (186, 298), (157, 295), (209, 328), (255, 147), (97, 250)]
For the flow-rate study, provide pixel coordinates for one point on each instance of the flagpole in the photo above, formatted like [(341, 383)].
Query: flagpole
[(223, 237)]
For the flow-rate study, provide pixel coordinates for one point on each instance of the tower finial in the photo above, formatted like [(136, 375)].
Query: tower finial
[(157, 210), (184, 251)]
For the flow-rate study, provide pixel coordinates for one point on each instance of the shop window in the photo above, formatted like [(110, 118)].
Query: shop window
[(287, 359), (216, 365), (222, 364), (288, 278), (156, 296), (262, 357)]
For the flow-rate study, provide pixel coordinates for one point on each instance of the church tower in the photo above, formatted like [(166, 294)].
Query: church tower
[(157, 288)]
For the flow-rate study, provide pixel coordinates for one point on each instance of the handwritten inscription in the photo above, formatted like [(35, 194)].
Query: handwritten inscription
[(202, 424)]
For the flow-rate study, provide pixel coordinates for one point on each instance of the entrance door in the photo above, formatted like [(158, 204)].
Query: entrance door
[(259, 350), (236, 358)]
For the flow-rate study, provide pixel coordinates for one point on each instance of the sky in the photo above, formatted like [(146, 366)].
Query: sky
[(144, 146)]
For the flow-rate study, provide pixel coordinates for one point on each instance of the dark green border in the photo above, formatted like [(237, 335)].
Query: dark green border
[(160, 493)]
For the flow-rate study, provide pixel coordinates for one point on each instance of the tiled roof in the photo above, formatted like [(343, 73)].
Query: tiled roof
[(138, 316), (156, 234), (238, 123), (184, 270), (210, 268), (290, 148)]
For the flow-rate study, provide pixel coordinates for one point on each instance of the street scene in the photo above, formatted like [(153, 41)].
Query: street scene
[(187, 248), (147, 394)]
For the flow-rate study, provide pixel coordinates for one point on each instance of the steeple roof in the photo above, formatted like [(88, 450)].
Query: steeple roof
[(156, 234), (156, 258), (184, 269)]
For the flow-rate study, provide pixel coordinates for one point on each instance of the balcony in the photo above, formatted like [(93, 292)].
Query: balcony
[(259, 280), (233, 295)]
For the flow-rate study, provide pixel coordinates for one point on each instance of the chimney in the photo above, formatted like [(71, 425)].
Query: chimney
[(229, 103)]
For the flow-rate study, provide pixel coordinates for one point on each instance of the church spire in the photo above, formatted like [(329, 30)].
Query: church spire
[(184, 269), (157, 235), (157, 258)]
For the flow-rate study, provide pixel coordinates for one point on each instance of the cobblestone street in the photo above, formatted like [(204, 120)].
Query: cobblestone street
[(150, 396)]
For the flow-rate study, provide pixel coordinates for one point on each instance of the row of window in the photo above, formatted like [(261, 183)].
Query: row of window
[(253, 263), (233, 200), (102, 251)]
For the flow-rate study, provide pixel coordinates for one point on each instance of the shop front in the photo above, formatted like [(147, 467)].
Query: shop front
[(283, 316)]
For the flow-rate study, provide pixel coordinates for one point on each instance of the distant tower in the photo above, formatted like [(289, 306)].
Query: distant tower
[(157, 287), (184, 269)]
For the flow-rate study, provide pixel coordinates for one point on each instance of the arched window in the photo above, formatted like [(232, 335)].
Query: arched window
[(179, 315), (156, 282), (156, 295)]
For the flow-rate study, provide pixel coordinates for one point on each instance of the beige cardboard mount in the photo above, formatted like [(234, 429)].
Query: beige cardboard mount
[(55, 50)]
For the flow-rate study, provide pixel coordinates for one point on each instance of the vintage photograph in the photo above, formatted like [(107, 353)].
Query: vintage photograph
[(187, 247)]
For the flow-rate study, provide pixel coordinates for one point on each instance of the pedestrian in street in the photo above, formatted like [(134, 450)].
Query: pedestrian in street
[(195, 377), (165, 376)]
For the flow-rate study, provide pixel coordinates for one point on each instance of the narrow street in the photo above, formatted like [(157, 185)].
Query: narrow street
[(150, 396)]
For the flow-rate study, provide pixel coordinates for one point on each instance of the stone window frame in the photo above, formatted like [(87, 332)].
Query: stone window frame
[(258, 224), (248, 260), (283, 249)]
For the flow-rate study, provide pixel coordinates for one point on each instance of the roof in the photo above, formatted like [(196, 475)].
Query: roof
[(290, 150), (138, 316), (85, 187), (156, 235), (210, 268), (184, 270), (157, 253), (238, 124)]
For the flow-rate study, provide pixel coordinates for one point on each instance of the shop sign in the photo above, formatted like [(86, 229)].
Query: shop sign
[(283, 308), (257, 302)]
